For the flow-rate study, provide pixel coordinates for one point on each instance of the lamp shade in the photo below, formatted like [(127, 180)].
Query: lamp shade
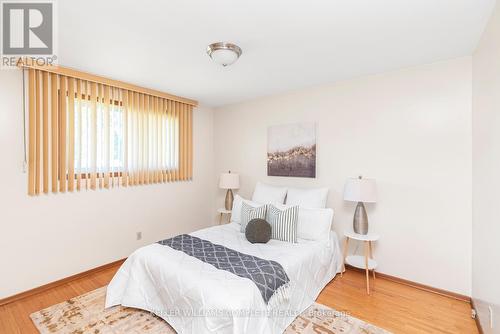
[(359, 189), (229, 181)]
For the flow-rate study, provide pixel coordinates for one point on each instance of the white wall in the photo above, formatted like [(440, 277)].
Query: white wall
[(49, 237), (485, 177), (409, 129)]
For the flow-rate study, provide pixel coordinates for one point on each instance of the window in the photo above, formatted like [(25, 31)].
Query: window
[(83, 140), (90, 132), (115, 125)]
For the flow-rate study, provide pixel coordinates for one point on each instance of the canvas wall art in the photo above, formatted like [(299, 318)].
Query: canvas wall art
[(291, 150)]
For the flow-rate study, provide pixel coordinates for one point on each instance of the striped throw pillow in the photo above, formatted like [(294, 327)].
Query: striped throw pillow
[(283, 223), (249, 212)]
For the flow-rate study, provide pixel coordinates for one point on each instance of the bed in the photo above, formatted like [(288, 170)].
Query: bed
[(195, 297)]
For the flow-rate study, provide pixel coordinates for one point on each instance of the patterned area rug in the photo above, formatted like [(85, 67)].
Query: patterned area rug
[(85, 314)]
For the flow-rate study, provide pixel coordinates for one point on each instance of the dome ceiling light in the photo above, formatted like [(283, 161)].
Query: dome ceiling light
[(224, 53)]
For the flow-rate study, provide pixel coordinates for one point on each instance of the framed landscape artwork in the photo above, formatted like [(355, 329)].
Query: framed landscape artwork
[(291, 150)]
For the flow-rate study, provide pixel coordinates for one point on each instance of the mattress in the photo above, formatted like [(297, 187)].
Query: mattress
[(195, 297)]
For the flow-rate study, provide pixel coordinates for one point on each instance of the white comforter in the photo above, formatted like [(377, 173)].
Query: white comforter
[(195, 297)]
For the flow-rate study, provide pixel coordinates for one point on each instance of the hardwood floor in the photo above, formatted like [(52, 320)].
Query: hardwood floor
[(14, 317), (396, 307), (393, 306)]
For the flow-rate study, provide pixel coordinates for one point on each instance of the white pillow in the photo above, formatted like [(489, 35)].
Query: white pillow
[(265, 194), (315, 224), (307, 198), (236, 210)]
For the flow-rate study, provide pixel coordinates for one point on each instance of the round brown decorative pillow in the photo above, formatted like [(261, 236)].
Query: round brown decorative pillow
[(258, 231)]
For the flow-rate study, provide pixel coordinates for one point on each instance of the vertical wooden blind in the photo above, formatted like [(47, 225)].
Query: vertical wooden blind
[(87, 132)]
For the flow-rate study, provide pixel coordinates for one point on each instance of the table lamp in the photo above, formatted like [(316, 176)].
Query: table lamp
[(361, 190), (229, 181)]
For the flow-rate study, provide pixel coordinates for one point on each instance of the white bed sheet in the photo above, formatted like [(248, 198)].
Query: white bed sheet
[(195, 297)]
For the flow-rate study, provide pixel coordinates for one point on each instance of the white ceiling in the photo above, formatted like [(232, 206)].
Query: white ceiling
[(286, 44)]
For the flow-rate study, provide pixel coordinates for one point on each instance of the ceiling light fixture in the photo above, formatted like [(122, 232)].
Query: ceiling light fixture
[(224, 53)]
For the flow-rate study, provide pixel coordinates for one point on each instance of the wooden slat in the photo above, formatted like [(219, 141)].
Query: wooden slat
[(131, 116), (88, 135), (184, 135), (93, 134), (100, 137), (128, 144), (190, 138), (177, 140), (80, 137), (62, 134), (158, 141), (98, 143), (123, 102), (139, 140), (136, 138), (161, 115), (183, 141), (32, 133), (146, 113), (71, 134), (38, 128), (168, 138), (109, 143), (171, 139), (166, 152), (154, 140), (138, 165), (65, 71), (46, 158), (100, 115), (90, 148), (126, 103), (186, 142), (132, 129), (106, 138), (159, 129), (120, 94), (165, 141), (54, 106), (142, 136), (171, 142), (156, 125)]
